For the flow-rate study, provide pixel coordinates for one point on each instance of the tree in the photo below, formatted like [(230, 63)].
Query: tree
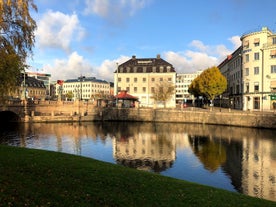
[(16, 41), (163, 91), (209, 84)]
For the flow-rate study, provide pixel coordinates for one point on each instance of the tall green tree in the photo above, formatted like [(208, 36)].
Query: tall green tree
[(16, 41), (163, 91), (210, 83)]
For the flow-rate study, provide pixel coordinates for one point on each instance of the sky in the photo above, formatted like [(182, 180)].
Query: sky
[(89, 37)]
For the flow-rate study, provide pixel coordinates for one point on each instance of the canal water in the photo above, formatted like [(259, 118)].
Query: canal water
[(236, 159)]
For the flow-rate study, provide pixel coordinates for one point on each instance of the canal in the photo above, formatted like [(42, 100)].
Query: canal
[(236, 159)]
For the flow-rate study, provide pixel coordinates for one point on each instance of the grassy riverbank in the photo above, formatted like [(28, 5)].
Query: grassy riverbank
[(40, 178)]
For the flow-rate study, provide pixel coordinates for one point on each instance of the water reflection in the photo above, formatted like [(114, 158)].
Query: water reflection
[(236, 159)]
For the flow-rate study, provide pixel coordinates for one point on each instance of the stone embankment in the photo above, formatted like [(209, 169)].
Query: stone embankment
[(188, 115)]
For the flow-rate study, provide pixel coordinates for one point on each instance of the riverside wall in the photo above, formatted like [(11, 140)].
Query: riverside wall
[(190, 115)]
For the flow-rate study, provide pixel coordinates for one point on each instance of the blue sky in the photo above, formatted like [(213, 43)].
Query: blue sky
[(88, 37)]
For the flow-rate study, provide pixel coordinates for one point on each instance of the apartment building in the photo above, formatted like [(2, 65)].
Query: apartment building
[(252, 84), (183, 82), (231, 68), (30, 88), (83, 88), (139, 77), (45, 77)]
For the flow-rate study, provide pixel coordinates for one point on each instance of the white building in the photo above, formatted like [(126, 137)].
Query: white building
[(183, 82), (83, 88)]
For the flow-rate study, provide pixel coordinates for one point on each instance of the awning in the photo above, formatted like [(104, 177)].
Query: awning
[(256, 40), (273, 84), (272, 52)]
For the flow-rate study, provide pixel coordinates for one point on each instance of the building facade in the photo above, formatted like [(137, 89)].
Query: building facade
[(183, 82), (30, 88), (252, 84), (139, 76), (46, 78), (231, 68), (83, 88)]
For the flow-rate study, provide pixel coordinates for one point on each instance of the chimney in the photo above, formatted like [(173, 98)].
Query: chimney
[(133, 57), (158, 56)]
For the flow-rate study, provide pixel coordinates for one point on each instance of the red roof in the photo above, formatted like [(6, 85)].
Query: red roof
[(124, 95)]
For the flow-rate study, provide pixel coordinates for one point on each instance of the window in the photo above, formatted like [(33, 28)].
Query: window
[(152, 79), (127, 88), (135, 80), (256, 56), (144, 79), (152, 89), (257, 42), (247, 71), (169, 79), (274, 40), (246, 44), (273, 53), (273, 68), (256, 86), (161, 79), (135, 89), (256, 70), (247, 88), (144, 89), (127, 80), (256, 103), (247, 58), (119, 79)]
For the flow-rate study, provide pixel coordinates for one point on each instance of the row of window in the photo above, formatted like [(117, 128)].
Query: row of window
[(86, 86), (87, 91), (257, 56), (257, 70), (135, 80), (257, 42)]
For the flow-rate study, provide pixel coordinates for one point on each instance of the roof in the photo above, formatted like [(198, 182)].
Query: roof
[(125, 96), (146, 65), (31, 82), (86, 79)]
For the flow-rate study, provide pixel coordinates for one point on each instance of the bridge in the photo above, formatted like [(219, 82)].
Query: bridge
[(23, 111)]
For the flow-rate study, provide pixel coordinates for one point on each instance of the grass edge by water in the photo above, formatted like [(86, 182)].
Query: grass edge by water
[(31, 177)]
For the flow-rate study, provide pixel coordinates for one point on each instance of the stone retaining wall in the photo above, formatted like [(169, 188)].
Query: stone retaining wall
[(229, 118)]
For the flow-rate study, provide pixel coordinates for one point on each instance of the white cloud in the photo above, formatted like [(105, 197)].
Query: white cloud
[(201, 56), (72, 67), (77, 65), (58, 30), (107, 68), (114, 10), (236, 41)]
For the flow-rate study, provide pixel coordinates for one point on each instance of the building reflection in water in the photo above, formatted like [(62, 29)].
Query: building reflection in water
[(246, 156)]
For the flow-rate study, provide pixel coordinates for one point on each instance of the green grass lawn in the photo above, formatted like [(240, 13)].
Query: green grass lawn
[(31, 177)]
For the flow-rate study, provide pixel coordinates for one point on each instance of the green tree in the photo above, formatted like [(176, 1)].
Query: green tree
[(210, 83), (163, 91), (16, 41)]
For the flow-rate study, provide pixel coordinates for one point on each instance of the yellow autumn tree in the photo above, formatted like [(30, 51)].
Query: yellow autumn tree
[(16, 41), (210, 83)]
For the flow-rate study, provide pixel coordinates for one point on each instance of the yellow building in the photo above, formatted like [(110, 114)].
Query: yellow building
[(259, 69), (251, 72), (139, 77)]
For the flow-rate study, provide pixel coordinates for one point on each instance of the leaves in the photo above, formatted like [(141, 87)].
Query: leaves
[(16, 41), (163, 91), (209, 84)]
